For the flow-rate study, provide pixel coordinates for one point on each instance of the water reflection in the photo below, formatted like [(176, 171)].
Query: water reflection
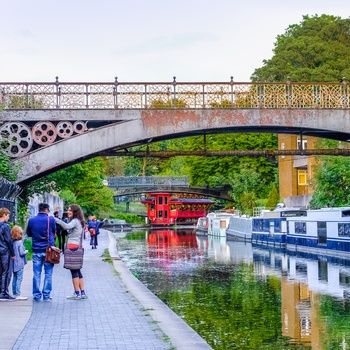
[(240, 296)]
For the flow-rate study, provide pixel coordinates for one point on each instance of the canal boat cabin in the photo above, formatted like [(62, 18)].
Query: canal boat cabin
[(322, 231), (271, 228), (167, 209)]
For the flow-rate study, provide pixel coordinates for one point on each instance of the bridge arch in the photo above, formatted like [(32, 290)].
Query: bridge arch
[(125, 128)]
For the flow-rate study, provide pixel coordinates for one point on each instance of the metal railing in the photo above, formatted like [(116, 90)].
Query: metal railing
[(173, 95), (132, 181)]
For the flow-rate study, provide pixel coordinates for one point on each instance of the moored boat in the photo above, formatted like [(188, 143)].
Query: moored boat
[(240, 227), (271, 228), (323, 231)]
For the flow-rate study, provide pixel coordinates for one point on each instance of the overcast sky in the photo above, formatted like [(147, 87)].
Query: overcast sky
[(140, 40)]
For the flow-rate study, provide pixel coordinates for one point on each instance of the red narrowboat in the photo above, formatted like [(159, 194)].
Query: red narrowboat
[(167, 209)]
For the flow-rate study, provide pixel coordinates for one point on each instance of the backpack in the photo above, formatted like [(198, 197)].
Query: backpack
[(92, 231)]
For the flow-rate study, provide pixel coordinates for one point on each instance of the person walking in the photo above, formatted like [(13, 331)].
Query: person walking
[(19, 262), (94, 229), (6, 254), (42, 229), (75, 229)]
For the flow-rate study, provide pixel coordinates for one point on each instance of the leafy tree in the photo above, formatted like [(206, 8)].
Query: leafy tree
[(84, 181), (7, 169), (272, 198), (316, 50), (331, 183)]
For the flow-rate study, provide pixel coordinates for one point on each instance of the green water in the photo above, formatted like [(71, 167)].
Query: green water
[(237, 296)]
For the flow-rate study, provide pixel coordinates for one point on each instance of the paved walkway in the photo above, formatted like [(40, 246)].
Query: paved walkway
[(121, 313)]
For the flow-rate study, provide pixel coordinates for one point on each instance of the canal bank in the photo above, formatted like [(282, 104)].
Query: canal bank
[(121, 313)]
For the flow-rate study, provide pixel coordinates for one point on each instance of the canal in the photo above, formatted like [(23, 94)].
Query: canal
[(240, 296)]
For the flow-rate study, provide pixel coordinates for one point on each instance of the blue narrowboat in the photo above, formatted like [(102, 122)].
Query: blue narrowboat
[(270, 228), (324, 231)]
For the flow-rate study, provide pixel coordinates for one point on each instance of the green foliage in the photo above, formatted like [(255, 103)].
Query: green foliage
[(272, 198), (84, 181), (128, 217), (316, 50), (7, 169), (68, 197), (28, 246), (331, 183), (171, 103)]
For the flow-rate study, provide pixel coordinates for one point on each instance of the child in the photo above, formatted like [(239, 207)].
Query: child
[(19, 262)]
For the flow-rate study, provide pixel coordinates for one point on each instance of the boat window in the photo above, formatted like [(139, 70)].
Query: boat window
[(300, 227), (345, 213), (165, 214), (322, 232), (160, 213), (344, 229), (160, 200), (165, 200)]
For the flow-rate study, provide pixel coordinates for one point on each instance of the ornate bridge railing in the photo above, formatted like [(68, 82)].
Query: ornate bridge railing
[(180, 95), (147, 181)]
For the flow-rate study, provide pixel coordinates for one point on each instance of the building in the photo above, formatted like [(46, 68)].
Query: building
[(296, 171)]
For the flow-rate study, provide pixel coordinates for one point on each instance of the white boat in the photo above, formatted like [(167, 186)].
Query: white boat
[(202, 225), (321, 231), (240, 227), (214, 224)]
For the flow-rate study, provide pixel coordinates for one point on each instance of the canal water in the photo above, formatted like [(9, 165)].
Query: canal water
[(240, 296)]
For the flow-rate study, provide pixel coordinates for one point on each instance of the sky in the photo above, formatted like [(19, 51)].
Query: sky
[(146, 41)]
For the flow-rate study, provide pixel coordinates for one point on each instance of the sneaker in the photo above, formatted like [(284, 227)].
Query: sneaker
[(74, 297), (21, 298), (84, 296), (7, 298), (49, 299)]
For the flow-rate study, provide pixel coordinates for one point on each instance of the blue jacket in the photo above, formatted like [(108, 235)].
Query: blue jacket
[(37, 229), (20, 252), (95, 224), (6, 243)]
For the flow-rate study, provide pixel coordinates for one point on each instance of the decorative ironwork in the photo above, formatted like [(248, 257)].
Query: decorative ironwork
[(174, 94), (131, 181), (16, 139)]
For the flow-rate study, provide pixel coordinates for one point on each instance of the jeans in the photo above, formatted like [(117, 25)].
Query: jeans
[(38, 263), (17, 282), (5, 273)]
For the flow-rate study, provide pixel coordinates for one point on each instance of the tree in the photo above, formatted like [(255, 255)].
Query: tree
[(316, 50), (84, 181)]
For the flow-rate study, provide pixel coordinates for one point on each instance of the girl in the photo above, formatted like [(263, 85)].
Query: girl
[(75, 229), (19, 262)]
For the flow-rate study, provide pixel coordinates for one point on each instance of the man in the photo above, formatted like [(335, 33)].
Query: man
[(42, 228), (6, 254)]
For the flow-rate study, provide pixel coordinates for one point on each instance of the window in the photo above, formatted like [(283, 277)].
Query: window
[(165, 214), (322, 232), (302, 144), (302, 176), (165, 200), (160, 200), (160, 213)]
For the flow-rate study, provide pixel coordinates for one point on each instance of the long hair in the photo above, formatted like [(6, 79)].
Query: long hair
[(78, 213)]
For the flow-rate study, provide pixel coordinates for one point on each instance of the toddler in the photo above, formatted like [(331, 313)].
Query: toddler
[(19, 262)]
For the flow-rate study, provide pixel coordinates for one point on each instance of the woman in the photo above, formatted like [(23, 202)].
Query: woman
[(75, 228)]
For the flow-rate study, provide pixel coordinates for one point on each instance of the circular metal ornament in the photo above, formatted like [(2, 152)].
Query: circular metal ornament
[(64, 129), (79, 127), (15, 139), (44, 133)]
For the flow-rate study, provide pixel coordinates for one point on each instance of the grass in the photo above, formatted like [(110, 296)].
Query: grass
[(107, 257)]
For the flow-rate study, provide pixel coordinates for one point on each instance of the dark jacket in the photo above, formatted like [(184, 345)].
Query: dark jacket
[(37, 229), (6, 243)]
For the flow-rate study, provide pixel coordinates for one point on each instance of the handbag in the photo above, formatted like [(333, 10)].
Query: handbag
[(52, 254), (73, 258)]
